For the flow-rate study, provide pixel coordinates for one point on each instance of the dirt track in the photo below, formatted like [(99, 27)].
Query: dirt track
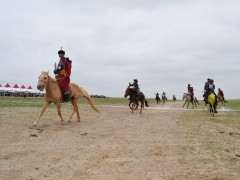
[(117, 144)]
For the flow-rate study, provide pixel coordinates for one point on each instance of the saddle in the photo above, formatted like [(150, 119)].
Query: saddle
[(211, 98)]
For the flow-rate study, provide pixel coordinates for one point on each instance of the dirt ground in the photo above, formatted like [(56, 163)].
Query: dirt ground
[(118, 144)]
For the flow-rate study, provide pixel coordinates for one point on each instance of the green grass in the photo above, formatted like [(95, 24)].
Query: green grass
[(38, 102)]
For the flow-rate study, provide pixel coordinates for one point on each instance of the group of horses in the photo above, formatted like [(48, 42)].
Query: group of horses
[(210, 101), (157, 98), (53, 95)]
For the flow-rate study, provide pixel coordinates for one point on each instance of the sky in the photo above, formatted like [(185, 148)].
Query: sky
[(165, 44)]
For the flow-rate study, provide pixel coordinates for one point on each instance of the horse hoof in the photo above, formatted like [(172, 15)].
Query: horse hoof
[(35, 124)]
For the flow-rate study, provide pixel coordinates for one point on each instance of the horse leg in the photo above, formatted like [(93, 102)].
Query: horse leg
[(184, 103), (59, 111), (133, 103), (75, 108), (136, 105), (130, 104), (43, 110), (142, 106)]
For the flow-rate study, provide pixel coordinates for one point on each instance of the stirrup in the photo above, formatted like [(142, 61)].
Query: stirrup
[(66, 97)]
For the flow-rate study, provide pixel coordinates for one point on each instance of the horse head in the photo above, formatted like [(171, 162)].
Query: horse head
[(43, 80), (185, 95), (130, 90)]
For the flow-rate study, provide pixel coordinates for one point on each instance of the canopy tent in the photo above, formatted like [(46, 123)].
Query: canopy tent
[(15, 86), (7, 85)]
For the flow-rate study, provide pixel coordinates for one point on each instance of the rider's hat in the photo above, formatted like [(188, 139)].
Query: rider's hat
[(208, 79), (135, 80), (61, 51), (188, 84)]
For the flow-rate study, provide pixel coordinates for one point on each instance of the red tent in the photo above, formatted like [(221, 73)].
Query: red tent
[(7, 85), (15, 86), (30, 87), (23, 87)]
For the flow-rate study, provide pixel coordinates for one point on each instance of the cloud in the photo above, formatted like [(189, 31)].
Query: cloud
[(164, 44)]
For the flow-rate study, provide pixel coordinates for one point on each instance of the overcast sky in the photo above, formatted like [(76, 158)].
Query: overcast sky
[(165, 44)]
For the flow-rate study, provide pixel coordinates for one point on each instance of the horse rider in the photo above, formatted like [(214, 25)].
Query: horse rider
[(205, 89), (206, 84), (211, 89), (190, 91), (63, 73), (174, 98), (157, 96), (220, 93), (164, 94), (135, 85)]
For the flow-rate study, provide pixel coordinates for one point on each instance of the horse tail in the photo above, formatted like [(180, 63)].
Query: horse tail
[(87, 96), (196, 100), (146, 103)]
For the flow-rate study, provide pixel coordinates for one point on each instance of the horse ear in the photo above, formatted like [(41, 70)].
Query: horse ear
[(48, 72)]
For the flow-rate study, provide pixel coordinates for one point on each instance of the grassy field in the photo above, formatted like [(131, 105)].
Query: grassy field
[(38, 102)]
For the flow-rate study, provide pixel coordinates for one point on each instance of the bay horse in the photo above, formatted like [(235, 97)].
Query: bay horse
[(53, 95), (221, 99), (188, 99), (135, 98)]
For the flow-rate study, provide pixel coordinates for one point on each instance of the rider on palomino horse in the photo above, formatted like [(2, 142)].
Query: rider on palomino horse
[(210, 89), (190, 90), (63, 73)]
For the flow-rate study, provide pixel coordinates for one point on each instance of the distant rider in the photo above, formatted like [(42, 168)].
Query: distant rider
[(205, 89), (190, 91), (211, 89), (220, 93), (135, 85)]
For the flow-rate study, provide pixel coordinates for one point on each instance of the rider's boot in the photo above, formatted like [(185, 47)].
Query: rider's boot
[(66, 97)]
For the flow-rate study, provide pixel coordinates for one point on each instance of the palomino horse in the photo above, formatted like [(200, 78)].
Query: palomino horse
[(53, 95), (187, 98), (135, 98), (221, 99)]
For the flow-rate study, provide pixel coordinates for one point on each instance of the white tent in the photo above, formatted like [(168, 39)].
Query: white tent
[(10, 89)]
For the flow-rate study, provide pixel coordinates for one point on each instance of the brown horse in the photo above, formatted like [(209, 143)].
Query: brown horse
[(135, 97), (53, 95), (221, 99)]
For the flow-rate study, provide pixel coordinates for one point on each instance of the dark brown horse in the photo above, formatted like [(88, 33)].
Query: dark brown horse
[(157, 98), (135, 97)]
